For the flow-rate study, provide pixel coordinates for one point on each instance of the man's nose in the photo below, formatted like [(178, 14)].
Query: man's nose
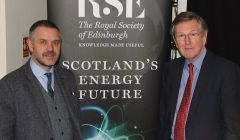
[(50, 47), (187, 39)]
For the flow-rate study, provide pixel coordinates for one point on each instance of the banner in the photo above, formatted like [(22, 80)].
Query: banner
[(115, 48)]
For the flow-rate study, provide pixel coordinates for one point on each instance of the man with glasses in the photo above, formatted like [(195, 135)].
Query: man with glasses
[(37, 101), (200, 94)]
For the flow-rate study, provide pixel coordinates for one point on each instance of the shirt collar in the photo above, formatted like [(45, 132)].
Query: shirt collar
[(38, 71), (197, 62)]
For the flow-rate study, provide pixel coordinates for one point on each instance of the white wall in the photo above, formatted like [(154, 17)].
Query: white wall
[(17, 16), (182, 6), (3, 68)]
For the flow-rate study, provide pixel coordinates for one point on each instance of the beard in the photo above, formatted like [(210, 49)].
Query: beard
[(48, 63)]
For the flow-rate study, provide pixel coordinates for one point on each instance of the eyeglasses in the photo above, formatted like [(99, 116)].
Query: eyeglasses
[(191, 36)]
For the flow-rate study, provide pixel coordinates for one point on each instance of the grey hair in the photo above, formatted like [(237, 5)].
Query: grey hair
[(188, 16)]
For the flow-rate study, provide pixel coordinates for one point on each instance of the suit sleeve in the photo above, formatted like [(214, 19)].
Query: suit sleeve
[(7, 113), (162, 104), (76, 108), (76, 101), (230, 104)]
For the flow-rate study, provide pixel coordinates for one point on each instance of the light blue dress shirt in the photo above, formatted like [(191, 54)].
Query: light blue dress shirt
[(197, 62), (39, 73)]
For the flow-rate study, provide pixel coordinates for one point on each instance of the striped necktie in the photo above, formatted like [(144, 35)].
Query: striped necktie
[(179, 133), (49, 83)]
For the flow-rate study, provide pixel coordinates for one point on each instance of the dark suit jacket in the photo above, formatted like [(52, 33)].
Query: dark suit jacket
[(23, 112), (214, 112)]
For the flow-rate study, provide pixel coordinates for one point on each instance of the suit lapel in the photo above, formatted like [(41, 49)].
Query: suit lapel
[(200, 85), (61, 80), (35, 91), (177, 71)]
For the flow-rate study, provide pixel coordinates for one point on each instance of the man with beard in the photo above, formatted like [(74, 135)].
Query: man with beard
[(37, 100)]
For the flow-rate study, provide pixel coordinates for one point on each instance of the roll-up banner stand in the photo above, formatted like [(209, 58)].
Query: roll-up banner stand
[(115, 49)]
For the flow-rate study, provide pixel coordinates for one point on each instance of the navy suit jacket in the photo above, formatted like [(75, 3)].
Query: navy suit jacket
[(214, 113), (23, 112)]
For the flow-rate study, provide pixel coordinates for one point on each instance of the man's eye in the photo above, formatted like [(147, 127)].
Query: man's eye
[(43, 42), (181, 36), (192, 34), (56, 43)]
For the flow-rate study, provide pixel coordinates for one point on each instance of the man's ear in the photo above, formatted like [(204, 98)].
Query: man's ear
[(30, 45), (174, 42), (205, 37)]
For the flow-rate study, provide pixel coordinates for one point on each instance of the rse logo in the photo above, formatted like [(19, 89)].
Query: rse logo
[(130, 4)]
